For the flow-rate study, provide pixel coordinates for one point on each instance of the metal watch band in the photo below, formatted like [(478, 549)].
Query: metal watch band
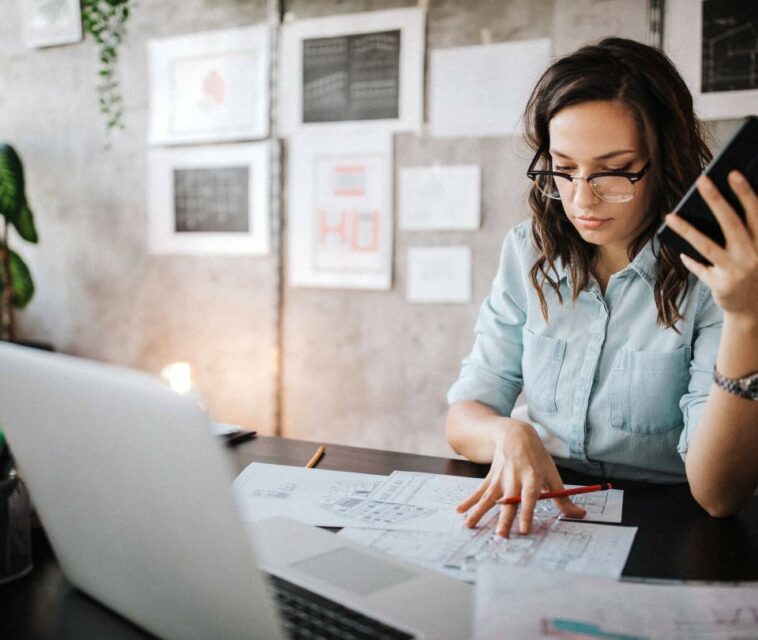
[(746, 387)]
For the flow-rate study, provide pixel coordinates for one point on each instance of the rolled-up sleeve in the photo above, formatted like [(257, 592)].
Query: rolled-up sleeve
[(491, 373), (705, 345)]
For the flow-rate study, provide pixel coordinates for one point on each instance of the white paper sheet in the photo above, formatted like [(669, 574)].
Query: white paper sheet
[(440, 197), (314, 496), (403, 501), (601, 506), (426, 548), (482, 90), (439, 274), (574, 547), (340, 190), (441, 491), (516, 602)]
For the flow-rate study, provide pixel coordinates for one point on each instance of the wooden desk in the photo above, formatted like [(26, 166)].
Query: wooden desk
[(676, 540)]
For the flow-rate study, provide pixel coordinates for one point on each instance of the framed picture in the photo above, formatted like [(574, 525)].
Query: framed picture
[(209, 200), (365, 68), (210, 87), (340, 210), (714, 44), (51, 22)]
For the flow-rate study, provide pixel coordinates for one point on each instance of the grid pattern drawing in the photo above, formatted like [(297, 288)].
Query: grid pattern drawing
[(212, 200), (354, 77)]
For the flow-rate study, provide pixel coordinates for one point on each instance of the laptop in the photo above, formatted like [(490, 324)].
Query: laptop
[(135, 495)]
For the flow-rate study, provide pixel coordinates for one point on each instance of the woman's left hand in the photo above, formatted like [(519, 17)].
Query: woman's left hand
[(733, 276)]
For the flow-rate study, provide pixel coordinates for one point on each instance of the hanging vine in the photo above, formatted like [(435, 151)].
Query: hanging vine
[(105, 21)]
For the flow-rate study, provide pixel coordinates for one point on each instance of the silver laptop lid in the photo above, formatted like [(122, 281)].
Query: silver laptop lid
[(134, 494)]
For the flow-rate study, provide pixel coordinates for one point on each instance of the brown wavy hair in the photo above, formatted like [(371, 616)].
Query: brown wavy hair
[(646, 82)]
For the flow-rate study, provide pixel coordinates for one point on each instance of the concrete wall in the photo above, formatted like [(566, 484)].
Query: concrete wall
[(361, 368)]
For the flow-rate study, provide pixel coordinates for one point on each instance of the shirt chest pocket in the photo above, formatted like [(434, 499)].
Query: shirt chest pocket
[(541, 366), (646, 387)]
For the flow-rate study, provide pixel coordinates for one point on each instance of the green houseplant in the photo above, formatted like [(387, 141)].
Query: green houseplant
[(16, 284), (105, 21)]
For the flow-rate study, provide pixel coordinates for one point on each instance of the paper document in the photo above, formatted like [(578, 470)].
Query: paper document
[(516, 602), (601, 506), (440, 197), (314, 496), (427, 548), (441, 491), (481, 90), (403, 501), (439, 274), (574, 547)]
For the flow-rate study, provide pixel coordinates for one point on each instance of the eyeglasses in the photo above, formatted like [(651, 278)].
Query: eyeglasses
[(611, 186)]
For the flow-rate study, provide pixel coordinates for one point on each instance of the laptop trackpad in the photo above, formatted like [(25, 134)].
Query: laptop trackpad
[(353, 571)]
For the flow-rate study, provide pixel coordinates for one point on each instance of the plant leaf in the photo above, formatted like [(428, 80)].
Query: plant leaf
[(24, 224), (11, 183), (21, 281)]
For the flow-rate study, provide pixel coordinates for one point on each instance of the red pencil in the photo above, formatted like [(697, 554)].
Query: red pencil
[(559, 494)]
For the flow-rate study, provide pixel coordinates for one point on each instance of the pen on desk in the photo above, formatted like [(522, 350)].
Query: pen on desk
[(559, 494), (316, 457), (238, 437)]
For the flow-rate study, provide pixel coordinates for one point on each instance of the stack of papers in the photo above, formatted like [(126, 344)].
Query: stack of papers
[(412, 516), (517, 602)]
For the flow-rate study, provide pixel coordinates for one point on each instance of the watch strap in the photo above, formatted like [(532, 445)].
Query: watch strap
[(745, 387)]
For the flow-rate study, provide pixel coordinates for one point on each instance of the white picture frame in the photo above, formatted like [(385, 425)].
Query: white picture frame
[(340, 222), (683, 42), (409, 22), (211, 199), (48, 23), (210, 87)]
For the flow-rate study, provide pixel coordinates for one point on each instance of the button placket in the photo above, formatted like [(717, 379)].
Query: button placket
[(585, 382)]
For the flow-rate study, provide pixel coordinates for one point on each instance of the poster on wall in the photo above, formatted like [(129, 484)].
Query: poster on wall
[(209, 87), (46, 23), (482, 90), (340, 219), (714, 44), (358, 68), (438, 275), (440, 197), (209, 200)]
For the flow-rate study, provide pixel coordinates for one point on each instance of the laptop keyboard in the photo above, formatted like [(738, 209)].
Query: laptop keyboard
[(308, 615)]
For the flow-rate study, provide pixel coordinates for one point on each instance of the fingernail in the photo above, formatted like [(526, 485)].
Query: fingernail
[(705, 184), (737, 178)]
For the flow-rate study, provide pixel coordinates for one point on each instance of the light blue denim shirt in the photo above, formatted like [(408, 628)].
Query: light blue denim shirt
[(610, 391)]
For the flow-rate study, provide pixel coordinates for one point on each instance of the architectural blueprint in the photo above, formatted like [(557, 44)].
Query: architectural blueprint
[(403, 501), (517, 602), (445, 492), (314, 496), (553, 545)]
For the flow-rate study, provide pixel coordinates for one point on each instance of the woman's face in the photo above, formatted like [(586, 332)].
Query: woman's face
[(601, 136)]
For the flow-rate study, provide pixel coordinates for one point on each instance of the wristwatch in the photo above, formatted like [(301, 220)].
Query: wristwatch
[(746, 387)]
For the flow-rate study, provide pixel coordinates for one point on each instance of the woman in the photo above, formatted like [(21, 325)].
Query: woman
[(612, 336)]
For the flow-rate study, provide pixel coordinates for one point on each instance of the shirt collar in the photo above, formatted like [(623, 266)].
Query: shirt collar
[(644, 263)]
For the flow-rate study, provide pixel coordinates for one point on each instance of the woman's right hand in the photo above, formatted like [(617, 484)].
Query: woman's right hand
[(521, 466)]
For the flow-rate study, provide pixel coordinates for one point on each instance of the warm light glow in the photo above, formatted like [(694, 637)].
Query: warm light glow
[(179, 376)]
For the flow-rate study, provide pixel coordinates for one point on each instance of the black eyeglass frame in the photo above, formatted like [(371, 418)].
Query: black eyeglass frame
[(633, 177)]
